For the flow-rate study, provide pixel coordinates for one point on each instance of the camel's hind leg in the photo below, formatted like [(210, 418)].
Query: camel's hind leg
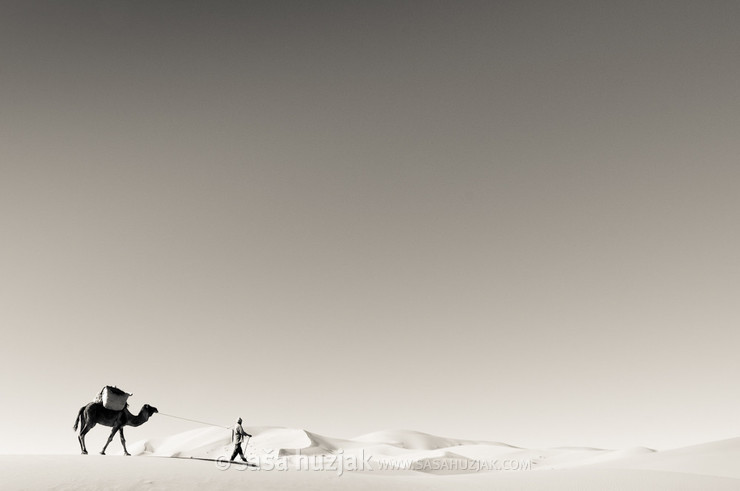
[(110, 439), (81, 437), (123, 442)]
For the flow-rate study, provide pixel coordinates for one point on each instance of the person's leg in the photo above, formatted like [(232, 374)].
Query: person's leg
[(241, 452), (237, 450)]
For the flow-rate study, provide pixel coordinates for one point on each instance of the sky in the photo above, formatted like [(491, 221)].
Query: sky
[(510, 221)]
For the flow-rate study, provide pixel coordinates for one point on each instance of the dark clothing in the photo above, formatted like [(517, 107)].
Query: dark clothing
[(238, 451)]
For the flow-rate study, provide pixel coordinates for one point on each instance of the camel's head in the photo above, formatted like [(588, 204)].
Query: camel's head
[(150, 409)]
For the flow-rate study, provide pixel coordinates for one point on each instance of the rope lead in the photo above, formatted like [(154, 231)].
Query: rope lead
[(195, 421)]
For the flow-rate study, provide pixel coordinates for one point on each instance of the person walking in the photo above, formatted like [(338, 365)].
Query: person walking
[(237, 436)]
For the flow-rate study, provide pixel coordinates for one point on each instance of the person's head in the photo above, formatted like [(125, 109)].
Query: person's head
[(239, 421)]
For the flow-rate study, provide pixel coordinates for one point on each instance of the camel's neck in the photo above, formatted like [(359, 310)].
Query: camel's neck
[(139, 419)]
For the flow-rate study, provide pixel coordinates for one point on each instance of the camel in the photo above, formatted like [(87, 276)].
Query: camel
[(95, 413)]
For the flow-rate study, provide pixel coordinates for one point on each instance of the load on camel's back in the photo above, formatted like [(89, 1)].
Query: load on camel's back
[(110, 408), (113, 398)]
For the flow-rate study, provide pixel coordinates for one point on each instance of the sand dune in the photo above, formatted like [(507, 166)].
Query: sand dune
[(397, 459), (415, 450), (718, 458), (416, 440)]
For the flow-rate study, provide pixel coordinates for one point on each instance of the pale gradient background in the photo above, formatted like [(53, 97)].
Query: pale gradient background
[(514, 221)]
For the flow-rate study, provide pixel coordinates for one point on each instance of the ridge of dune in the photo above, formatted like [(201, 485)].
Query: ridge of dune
[(582, 449), (319, 444), (569, 457), (732, 444), (718, 458), (411, 439)]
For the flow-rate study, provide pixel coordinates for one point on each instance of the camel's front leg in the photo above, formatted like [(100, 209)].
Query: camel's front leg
[(123, 442), (110, 439)]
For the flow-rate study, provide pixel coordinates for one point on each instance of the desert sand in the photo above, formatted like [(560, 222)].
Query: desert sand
[(288, 458)]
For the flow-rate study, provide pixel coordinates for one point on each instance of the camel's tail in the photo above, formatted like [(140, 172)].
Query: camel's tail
[(79, 417)]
